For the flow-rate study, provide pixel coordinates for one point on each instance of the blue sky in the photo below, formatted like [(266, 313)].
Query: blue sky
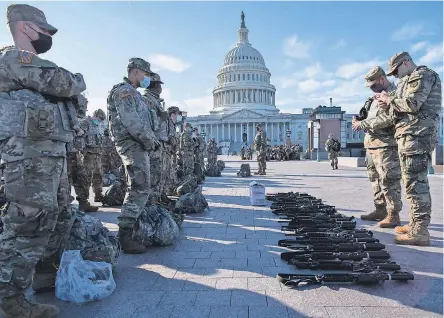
[(314, 50)]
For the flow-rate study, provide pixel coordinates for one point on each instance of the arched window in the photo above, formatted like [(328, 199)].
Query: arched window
[(238, 77), (248, 76), (243, 77), (230, 78)]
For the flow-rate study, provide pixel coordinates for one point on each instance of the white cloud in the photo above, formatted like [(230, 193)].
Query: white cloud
[(434, 54), (197, 106), (295, 48), (311, 85), (168, 62), (313, 70), (288, 81), (408, 31), (341, 43), (351, 70), (285, 101), (418, 46)]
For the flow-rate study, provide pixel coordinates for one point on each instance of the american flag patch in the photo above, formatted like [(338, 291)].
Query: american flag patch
[(25, 57)]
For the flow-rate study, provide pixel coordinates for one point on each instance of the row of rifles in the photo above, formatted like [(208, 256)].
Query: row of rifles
[(321, 239)]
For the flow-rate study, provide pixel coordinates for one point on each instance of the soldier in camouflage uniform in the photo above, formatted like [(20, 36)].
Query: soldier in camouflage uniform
[(77, 174), (130, 127), (332, 154), (260, 142), (152, 99), (413, 109), (171, 149), (212, 153), (199, 154), (92, 160), (383, 167), (186, 150), (36, 180), (111, 161)]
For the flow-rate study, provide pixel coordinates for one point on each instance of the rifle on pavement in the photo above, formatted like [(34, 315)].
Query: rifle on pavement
[(353, 278), (343, 256), (340, 247), (360, 266)]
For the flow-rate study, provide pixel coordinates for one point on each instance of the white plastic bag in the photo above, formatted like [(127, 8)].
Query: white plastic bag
[(82, 281)]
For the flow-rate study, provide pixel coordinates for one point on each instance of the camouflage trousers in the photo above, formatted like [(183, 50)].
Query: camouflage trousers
[(137, 171), (384, 173), (261, 161), (77, 176), (212, 159), (36, 222), (333, 157), (171, 174), (111, 161), (157, 174), (188, 163), (93, 167), (414, 154), (199, 166)]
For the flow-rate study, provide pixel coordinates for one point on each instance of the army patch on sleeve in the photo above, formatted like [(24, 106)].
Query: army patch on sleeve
[(414, 84), (25, 57)]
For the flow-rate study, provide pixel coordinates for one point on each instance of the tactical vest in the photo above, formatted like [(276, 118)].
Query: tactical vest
[(26, 113)]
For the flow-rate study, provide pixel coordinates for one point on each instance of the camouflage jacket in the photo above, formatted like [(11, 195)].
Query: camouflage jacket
[(379, 138), (129, 118), (94, 134), (260, 141), (212, 147), (186, 143), (154, 108), (328, 145), (414, 111), (32, 91)]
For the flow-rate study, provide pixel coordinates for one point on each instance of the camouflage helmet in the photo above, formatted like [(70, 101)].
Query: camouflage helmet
[(173, 109), (156, 78), (188, 125), (259, 125), (99, 113)]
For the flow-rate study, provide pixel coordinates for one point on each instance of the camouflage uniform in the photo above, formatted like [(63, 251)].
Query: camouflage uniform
[(156, 160), (186, 148), (212, 153), (36, 180), (171, 150), (111, 160), (199, 156), (92, 159), (332, 155), (383, 167), (242, 152), (260, 142), (414, 111), (129, 122)]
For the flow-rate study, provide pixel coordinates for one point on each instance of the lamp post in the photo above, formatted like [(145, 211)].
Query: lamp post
[(317, 125)]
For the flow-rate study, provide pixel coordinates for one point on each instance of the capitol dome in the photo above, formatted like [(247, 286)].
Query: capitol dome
[(244, 80)]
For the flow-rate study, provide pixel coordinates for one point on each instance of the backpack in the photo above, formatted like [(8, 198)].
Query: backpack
[(336, 145)]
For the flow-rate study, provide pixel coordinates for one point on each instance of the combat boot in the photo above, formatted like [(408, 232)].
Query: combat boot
[(44, 277), (98, 197), (336, 166), (377, 215), (417, 235), (85, 206), (390, 221), (404, 229), (19, 307), (125, 237)]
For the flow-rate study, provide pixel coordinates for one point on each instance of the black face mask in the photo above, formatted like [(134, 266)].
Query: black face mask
[(43, 44), (377, 88)]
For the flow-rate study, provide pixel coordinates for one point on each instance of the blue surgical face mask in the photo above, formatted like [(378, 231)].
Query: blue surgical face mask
[(145, 83)]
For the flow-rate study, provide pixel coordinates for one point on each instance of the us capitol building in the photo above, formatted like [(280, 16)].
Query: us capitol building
[(244, 97)]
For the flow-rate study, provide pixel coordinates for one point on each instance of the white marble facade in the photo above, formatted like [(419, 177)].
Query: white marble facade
[(244, 97)]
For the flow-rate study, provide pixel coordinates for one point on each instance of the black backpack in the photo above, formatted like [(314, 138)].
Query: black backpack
[(336, 146)]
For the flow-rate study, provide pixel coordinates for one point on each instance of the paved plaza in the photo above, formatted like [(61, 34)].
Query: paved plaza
[(225, 262)]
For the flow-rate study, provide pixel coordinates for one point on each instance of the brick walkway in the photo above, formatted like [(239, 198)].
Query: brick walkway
[(226, 260)]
